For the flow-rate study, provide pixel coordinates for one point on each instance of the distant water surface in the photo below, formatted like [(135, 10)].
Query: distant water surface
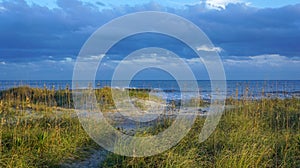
[(170, 89)]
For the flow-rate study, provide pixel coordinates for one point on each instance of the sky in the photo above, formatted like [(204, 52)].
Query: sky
[(256, 39)]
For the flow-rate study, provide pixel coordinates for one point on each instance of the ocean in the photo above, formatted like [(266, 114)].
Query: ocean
[(253, 89)]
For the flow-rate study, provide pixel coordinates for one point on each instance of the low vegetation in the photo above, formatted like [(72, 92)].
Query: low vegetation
[(263, 133), (39, 128)]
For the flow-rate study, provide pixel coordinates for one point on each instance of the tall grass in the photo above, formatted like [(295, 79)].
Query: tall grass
[(44, 141), (256, 133), (39, 128)]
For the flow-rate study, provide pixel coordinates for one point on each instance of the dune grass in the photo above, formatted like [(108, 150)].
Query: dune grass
[(41, 142), (263, 133), (39, 128)]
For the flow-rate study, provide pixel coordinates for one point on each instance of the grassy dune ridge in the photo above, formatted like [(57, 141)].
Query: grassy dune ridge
[(38, 129), (264, 133)]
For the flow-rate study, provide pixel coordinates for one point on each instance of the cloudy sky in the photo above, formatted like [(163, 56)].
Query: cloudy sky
[(256, 39)]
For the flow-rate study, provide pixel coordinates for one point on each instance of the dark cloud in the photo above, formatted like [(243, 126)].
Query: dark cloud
[(100, 3), (31, 33), (244, 30)]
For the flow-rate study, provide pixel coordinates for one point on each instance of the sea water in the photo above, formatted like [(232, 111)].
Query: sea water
[(169, 89)]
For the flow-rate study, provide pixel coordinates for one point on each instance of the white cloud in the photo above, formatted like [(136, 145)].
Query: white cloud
[(152, 59), (270, 60), (220, 4), (193, 60), (94, 57), (67, 59), (209, 49), (2, 63), (2, 9)]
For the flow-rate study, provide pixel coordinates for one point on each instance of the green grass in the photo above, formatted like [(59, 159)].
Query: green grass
[(38, 129), (40, 141), (261, 133)]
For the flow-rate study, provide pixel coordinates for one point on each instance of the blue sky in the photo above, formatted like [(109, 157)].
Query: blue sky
[(173, 3), (258, 39)]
